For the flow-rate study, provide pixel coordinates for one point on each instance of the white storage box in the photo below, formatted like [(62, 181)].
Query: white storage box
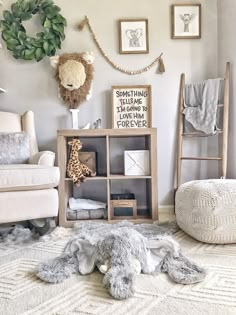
[(137, 162)]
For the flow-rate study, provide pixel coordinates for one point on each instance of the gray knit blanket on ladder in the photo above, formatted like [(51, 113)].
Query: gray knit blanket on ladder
[(201, 100)]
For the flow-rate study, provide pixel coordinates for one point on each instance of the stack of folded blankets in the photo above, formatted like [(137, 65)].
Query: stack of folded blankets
[(85, 209)]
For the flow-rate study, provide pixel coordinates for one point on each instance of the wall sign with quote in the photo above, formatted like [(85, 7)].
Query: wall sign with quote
[(131, 106)]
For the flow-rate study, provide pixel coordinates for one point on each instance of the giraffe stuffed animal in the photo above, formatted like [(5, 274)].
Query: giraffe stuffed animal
[(76, 169)]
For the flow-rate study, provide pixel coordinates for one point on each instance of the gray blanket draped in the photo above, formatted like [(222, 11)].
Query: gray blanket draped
[(95, 244), (201, 101)]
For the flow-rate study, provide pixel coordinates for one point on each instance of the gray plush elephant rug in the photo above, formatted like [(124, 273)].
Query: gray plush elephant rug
[(121, 251)]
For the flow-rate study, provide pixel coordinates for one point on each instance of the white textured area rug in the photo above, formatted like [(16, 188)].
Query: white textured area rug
[(22, 293)]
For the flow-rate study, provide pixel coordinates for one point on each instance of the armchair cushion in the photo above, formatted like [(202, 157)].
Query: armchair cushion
[(28, 177), (14, 148), (46, 158)]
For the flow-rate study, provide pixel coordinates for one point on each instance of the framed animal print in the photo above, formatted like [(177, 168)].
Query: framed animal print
[(186, 21), (133, 36)]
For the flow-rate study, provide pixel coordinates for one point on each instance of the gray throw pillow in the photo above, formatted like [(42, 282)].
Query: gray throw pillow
[(14, 148)]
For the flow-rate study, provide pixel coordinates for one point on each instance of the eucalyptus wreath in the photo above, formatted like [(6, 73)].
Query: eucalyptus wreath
[(44, 43)]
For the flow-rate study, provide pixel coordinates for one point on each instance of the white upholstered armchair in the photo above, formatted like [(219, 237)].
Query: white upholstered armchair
[(27, 191)]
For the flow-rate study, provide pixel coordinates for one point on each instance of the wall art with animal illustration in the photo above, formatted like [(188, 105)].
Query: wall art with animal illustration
[(133, 36), (186, 21)]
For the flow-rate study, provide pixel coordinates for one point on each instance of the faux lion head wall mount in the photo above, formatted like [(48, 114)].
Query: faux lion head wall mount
[(74, 73)]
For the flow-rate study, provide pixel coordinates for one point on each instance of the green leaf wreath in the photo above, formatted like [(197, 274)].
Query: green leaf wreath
[(45, 43)]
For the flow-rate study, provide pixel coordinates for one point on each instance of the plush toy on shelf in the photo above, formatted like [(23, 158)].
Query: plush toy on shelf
[(97, 124), (75, 169)]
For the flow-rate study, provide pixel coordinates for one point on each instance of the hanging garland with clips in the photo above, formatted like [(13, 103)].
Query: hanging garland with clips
[(44, 43), (115, 66)]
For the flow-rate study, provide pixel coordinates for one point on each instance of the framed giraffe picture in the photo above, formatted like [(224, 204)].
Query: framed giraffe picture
[(186, 21)]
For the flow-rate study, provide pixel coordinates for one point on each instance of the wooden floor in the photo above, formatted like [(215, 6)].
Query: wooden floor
[(166, 217)]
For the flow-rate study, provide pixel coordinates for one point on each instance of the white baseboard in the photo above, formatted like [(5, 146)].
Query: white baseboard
[(168, 209)]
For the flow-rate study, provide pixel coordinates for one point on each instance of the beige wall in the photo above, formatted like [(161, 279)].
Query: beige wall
[(31, 85), (227, 52)]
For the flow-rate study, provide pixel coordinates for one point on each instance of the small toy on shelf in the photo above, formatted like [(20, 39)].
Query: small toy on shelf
[(97, 124), (75, 169), (2, 90), (87, 126)]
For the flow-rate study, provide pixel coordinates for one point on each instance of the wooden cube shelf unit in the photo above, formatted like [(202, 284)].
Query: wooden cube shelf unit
[(110, 169)]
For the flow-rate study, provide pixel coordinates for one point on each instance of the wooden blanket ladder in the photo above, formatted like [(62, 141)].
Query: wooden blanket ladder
[(223, 132)]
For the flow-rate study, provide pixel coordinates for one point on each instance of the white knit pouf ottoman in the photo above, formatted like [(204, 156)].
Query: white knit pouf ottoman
[(206, 210)]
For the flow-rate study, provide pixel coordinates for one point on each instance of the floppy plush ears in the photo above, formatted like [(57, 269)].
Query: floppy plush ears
[(88, 56), (54, 61), (86, 254)]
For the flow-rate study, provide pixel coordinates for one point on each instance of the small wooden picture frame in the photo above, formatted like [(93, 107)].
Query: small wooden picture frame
[(132, 106), (89, 159), (186, 21), (123, 209), (133, 36)]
